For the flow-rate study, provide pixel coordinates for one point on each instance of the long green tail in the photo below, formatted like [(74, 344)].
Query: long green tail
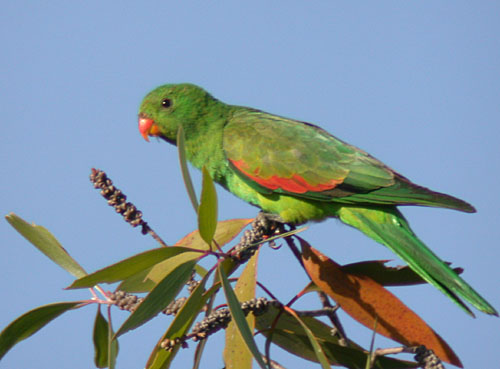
[(389, 227)]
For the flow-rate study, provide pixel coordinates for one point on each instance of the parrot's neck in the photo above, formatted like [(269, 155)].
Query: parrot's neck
[(204, 144)]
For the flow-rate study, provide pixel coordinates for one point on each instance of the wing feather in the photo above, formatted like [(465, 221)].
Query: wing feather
[(289, 156)]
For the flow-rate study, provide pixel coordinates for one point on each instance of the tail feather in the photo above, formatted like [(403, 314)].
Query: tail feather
[(388, 227), (405, 192)]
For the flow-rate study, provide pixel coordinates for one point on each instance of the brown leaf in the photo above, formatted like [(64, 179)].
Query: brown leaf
[(367, 301)]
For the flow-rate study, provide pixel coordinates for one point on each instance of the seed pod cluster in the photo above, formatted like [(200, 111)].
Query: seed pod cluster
[(220, 318), (427, 358), (124, 300), (262, 227), (118, 200), (174, 307)]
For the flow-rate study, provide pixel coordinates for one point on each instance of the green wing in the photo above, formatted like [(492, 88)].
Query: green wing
[(276, 154)]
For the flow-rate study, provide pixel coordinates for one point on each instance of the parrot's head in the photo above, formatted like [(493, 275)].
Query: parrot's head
[(168, 107)]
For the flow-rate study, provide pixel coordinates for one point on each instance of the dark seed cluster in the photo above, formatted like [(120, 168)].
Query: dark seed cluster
[(258, 306), (262, 227), (129, 302), (118, 200), (192, 283), (124, 300), (174, 307), (168, 344), (219, 319), (427, 358)]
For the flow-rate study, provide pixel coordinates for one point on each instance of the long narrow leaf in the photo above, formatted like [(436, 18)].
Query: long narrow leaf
[(200, 347), (160, 270), (112, 345), (100, 339), (103, 345), (387, 275), (236, 353), (367, 301), (226, 231), (239, 318), (44, 241), (289, 335), (138, 283), (161, 358), (128, 267), (314, 342), (181, 146), (202, 272), (159, 297), (207, 212), (31, 322)]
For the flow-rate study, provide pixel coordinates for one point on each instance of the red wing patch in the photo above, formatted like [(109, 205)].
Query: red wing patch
[(295, 183)]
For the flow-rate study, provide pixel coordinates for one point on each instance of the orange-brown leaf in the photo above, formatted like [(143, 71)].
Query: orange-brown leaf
[(367, 301)]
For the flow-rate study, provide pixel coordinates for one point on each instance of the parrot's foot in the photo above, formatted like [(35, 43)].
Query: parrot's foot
[(271, 218), (265, 225)]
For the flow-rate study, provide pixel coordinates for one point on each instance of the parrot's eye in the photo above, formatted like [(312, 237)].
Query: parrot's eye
[(166, 103)]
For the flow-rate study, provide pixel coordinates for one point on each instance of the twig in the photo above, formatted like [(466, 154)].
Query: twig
[(332, 315), (339, 329), (318, 312), (294, 250), (425, 357), (272, 364)]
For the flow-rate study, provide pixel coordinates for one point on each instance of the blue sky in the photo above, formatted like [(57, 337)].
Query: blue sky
[(416, 84)]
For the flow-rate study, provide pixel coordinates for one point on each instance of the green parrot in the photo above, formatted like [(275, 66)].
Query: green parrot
[(299, 172)]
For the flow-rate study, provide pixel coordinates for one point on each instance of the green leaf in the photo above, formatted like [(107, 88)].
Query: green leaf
[(236, 353), (289, 335), (112, 347), (44, 241), (202, 272), (318, 351), (184, 319), (128, 267), (165, 267), (372, 344), (226, 231), (100, 338), (181, 146), (159, 297), (137, 283), (198, 353), (103, 344), (385, 275), (239, 318), (31, 322), (207, 212)]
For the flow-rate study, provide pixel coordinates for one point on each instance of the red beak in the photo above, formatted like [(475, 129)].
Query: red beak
[(147, 127)]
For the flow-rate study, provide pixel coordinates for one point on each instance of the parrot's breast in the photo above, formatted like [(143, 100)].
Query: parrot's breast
[(291, 209)]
